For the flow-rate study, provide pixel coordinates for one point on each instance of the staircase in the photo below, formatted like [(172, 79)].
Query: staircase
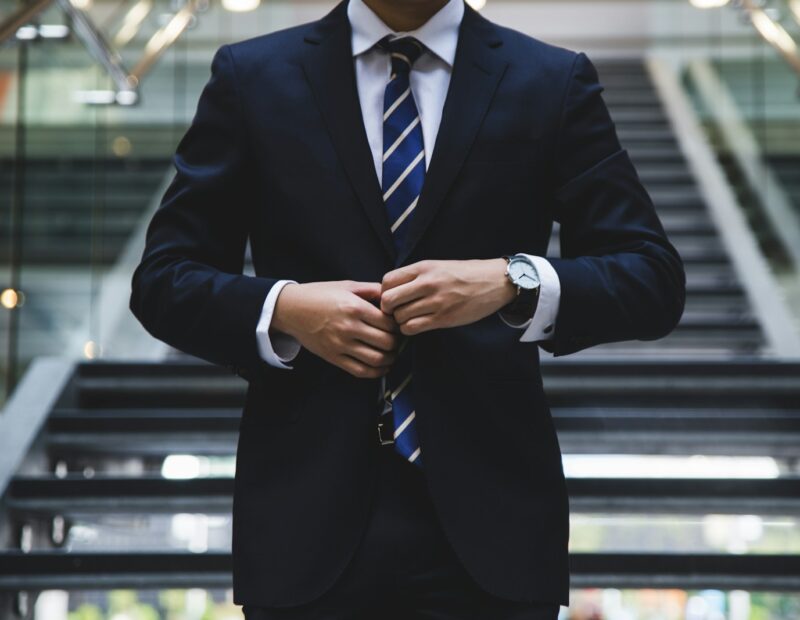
[(79, 211), (96, 500), (787, 169), (717, 319), (98, 484), (78, 214)]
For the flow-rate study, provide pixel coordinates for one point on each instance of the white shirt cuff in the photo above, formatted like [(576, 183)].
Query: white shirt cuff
[(543, 323), (281, 347)]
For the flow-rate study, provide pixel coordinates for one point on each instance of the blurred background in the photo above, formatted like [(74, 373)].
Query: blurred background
[(117, 452)]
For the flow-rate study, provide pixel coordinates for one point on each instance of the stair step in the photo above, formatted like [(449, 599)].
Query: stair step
[(633, 116)]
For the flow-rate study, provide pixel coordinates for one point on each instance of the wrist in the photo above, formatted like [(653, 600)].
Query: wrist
[(506, 291), (285, 309)]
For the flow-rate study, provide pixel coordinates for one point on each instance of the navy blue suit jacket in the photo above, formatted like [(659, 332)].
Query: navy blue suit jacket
[(277, 152)]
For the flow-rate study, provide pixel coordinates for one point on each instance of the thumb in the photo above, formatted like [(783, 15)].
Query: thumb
[(371, 291)]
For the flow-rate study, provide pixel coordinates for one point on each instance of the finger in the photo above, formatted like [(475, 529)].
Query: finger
[(403, 294), (418, 307), (375, 317), (401, 275), (369, 355), (379, 338), (359, 369), (418, 325), (371, 291)]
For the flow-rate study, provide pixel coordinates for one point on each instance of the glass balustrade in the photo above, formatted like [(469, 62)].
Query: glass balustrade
[(94, 97)]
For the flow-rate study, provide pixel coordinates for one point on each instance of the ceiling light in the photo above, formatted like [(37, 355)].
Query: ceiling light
[(708, 4), (53, 31), (132, 22), (27, 33), (240, 6), (773, 32)]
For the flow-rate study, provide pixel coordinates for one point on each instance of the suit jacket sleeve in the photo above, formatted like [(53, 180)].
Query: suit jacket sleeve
[(189, 290), (621, 278)]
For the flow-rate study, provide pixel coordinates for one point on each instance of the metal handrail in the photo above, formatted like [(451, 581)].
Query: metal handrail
[(163, 39), (20, 17), (748, 155), (774, 34), (126, 82), (25, 413), (98, 47), (763, 289)]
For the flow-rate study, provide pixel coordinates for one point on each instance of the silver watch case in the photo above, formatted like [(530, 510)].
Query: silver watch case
[(522, 272)]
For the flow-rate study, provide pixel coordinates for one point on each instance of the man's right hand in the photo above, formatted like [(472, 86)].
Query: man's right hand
[(337, 321)]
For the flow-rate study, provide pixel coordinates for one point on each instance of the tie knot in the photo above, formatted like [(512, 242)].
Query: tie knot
[(404, 51)]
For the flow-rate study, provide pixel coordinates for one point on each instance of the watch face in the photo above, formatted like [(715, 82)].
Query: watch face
[(523, 273)]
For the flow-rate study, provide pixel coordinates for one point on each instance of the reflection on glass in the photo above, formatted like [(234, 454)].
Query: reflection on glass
[(220, 464), (711, 533), (590, 532), (585, 604), (613, 604), (187, 604), (660, 466), (192, 532), (184, 466)]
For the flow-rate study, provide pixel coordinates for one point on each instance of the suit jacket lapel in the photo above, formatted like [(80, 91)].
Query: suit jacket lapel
[(329, 69), (477, 70)]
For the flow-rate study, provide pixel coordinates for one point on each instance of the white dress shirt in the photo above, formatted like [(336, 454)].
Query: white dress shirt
[(430, 79)]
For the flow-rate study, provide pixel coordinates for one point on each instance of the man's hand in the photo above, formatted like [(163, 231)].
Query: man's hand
[(338, 322), (432, 294)]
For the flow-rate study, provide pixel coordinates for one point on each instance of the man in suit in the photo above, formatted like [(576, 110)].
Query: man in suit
[(397, 168)]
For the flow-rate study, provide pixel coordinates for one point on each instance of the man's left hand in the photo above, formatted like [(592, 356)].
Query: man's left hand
[(432, 294)]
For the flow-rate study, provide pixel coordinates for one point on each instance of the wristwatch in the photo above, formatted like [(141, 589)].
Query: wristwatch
[(522, 273)]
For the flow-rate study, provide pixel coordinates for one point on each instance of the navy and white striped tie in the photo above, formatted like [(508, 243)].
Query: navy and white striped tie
[(402, 178)]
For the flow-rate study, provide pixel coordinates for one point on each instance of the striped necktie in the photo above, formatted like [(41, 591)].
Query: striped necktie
[(403, 175)]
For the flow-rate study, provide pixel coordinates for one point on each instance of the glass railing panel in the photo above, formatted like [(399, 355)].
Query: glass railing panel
[(79, 176), (768, 100), (95, 159), (196, 532)]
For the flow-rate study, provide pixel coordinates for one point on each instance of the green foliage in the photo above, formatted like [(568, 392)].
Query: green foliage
[(86, 612)]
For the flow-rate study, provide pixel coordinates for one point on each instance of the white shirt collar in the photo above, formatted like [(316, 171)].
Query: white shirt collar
[(439, 34)]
